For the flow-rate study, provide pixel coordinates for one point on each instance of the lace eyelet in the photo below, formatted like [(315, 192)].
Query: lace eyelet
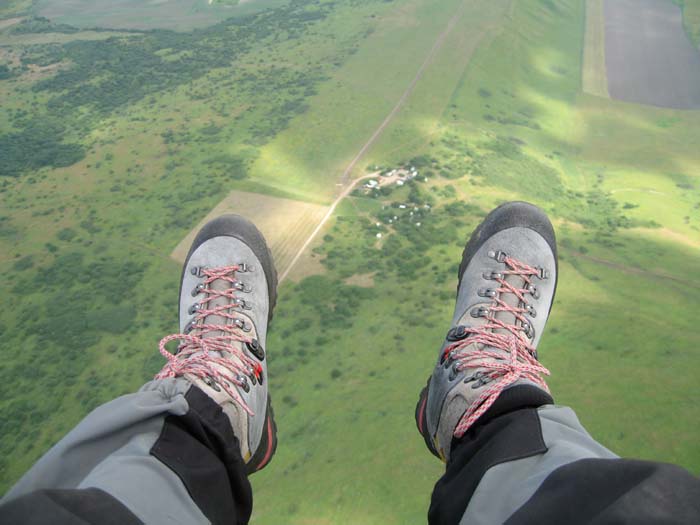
[(479, 311), (486, 292), (242, 303), (198, 271), (211, 383), (499, 255), (256, 349), (243, 380), (240, 323), (241, 287), (193, 309)]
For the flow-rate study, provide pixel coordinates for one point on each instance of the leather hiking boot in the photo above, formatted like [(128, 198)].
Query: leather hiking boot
[(507, 280), (227, 294)]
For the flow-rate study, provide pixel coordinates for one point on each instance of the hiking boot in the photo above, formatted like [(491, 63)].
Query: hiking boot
[(507, 279), (227, 294)]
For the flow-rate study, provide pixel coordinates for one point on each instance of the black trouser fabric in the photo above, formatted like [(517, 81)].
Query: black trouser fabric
[(592, 490), (67, 507)]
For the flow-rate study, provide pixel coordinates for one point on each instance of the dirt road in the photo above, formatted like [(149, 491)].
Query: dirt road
[(348, 185), (346, 191)]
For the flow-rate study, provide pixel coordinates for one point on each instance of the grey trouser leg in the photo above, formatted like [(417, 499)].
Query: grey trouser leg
[(539, 465), (157, 452), (516, 481)]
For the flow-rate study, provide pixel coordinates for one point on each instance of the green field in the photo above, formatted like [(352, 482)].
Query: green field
[(112, 149), (691, 18)]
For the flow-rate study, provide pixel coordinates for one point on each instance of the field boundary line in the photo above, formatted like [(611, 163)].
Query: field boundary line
[(635, 271)]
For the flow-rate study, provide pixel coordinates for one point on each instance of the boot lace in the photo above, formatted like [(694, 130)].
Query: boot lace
[(197, 355), (521, 360)]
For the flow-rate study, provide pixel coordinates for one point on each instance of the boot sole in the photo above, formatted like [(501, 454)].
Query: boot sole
[(421, 419), (268, 442)]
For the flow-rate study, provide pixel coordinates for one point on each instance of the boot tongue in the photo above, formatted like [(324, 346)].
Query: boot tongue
[(219, 285), (507, 318), (511, 300)]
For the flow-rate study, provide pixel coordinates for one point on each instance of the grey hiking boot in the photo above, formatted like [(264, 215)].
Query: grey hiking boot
[(507, 281), (227, 294)]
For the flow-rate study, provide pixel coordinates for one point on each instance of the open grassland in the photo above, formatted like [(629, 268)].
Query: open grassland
[(498, 114), (594, 74), (285, 223)]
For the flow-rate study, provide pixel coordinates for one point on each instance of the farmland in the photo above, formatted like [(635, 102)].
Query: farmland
[(114, 149), (285, 223)]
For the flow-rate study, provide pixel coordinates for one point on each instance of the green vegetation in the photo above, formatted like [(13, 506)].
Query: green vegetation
[(691, 18), (112, 150)]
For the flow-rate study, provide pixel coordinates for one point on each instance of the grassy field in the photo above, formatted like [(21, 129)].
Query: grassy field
[(277, 104)]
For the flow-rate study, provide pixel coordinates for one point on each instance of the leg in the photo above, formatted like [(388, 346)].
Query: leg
[(180, 449), (512, 456)]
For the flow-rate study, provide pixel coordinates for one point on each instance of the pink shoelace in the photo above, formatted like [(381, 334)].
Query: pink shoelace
[(194, 355), (521, 362)]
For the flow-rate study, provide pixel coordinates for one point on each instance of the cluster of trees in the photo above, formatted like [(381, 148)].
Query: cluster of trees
[(39, 24), (5, 72), (68, 304), (102, 76), (335, 303), (38, 145)]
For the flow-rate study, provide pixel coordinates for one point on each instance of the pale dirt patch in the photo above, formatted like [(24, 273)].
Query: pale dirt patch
[(285, 223), (594, 75), (10, 22), (669, 235), (38, 72), (363, 280)]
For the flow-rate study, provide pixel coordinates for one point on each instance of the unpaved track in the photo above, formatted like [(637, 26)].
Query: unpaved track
[(348, 185), (428, 59), (346, 191), (636, 271), (649, 58)]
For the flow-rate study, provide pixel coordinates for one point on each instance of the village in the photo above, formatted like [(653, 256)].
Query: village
[(397, 176), (410, 212)]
